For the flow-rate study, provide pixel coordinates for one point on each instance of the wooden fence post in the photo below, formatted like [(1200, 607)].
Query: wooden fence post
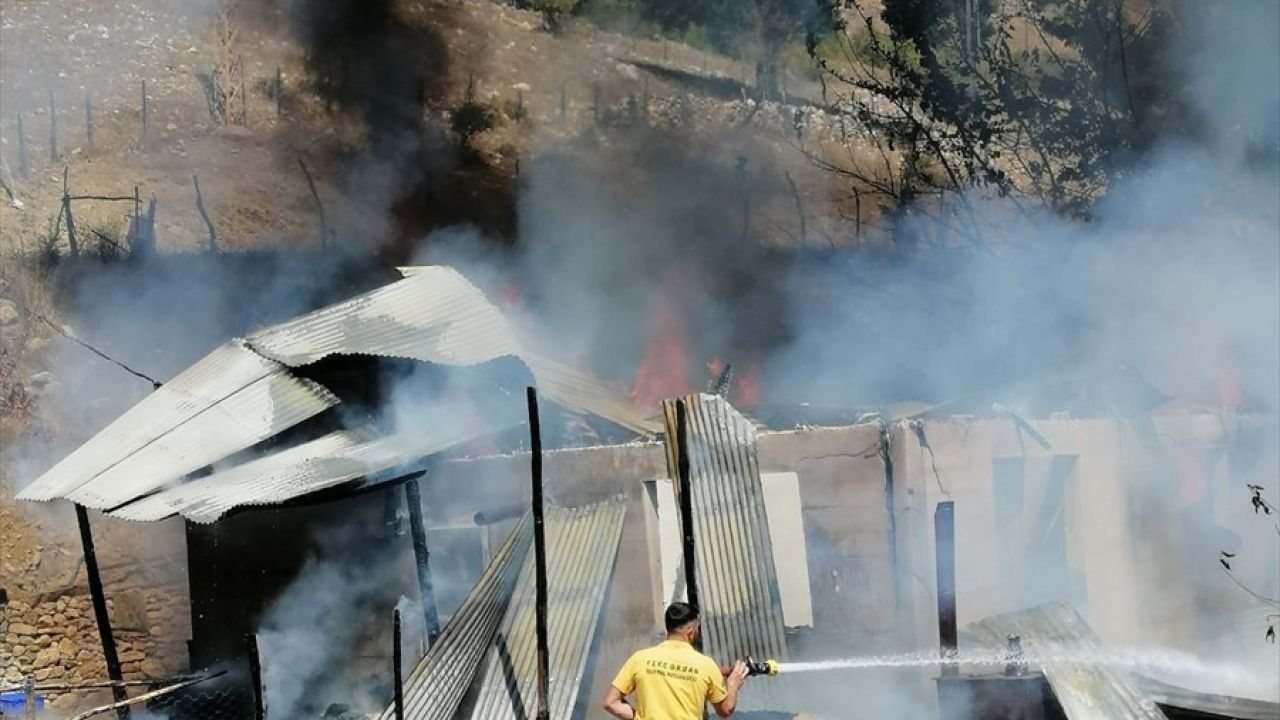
[(88, 121), (24, 162), (142, 136), (66, 210), (53, 128), (213, 235)]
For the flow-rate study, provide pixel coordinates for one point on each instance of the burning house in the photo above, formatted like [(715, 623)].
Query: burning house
[(315, 509)]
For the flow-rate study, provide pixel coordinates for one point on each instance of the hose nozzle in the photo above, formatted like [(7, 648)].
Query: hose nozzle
[(754, 667)]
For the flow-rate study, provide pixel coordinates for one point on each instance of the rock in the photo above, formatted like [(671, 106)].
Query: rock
[(67, 647), (10, 322), (153, 668), (131, 656), (46, 657), (22, 629)]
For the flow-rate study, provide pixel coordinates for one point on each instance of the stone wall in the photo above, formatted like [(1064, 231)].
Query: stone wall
[(47, 626)]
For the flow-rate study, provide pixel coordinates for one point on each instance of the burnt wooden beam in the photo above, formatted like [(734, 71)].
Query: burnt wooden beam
[(421, 560), (685, 498), (100, 614), (396, 658), (944, 537), (539, 554), (255, 677)]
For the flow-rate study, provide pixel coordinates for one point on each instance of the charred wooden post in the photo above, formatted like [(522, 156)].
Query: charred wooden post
[(53, 128), (142, 134), (539, 554), (24, 161), (204, 215), (66, 211), (685, 497), (255, 677), (88, 121), (421, 557), (944, 537), (397, 674), (100, 611)]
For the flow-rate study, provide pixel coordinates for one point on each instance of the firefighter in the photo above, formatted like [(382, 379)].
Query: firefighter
[(672, 680)]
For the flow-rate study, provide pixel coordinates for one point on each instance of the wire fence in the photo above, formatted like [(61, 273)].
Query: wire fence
[(219, 699)]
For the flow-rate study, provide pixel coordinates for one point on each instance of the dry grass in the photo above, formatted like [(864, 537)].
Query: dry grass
[(23, 282)]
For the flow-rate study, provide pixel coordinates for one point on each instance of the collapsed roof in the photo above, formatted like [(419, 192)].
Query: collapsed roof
[(1101, 690), (247, 391)]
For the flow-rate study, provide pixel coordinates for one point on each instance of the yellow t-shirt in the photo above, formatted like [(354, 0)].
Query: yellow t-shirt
[(671, 681)]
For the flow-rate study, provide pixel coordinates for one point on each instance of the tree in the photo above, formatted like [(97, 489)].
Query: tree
[(1034, 100)]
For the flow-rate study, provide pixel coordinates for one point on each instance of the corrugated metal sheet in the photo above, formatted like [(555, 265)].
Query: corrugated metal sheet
[(436, 315), (737, 581), (242, 393), (226, 402), (1085, 692), (322, 463), (1207, 703), (435, 688), (582, 544)]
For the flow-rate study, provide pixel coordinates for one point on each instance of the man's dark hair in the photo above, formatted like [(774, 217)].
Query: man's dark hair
[(678, 615)]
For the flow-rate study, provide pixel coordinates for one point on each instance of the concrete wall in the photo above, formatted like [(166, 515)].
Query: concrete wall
[(844, 511), (1142, 529), (1120, 497)]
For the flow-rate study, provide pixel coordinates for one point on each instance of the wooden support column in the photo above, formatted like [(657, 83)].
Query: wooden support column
[(539, 555), (685, 498), (396, 658), (421, 558), (100, 611), (944, 537), (255, 677)]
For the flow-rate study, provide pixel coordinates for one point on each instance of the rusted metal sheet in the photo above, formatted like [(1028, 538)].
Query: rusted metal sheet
[(582, 544), (1086, 691), (226, 402), (435, 688)]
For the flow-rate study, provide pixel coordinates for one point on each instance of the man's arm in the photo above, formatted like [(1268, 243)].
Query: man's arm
[(732, 685), (615, 703)]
